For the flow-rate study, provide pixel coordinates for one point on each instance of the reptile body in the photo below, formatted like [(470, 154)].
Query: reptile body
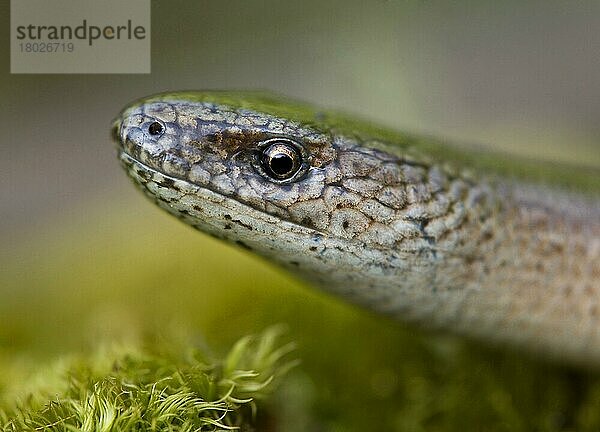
[(448, 237)]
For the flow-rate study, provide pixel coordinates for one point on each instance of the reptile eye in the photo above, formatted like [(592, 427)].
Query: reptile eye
[(156, 128), (281, 159)]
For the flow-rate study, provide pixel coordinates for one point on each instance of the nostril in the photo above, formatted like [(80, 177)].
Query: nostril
[(156, 128)]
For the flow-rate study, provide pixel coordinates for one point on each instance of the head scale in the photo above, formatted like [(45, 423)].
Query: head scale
[(285, 181)]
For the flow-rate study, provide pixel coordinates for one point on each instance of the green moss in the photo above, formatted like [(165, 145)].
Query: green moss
[(163, 386)]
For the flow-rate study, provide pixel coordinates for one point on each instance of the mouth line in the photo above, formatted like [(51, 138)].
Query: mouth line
[(129, 160)]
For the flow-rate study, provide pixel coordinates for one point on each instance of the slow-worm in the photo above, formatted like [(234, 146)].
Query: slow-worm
[(450, 237)]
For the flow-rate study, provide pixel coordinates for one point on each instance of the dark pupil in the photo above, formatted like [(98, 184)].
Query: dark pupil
[(155, 128), (281, 164)]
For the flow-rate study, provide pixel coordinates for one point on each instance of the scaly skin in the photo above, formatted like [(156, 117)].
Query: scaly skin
[(472, 243)]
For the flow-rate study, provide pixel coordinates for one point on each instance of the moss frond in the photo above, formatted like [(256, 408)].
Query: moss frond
[(147, 389)]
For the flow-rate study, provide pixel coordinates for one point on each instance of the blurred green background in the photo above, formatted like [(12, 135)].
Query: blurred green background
[(86, 258)]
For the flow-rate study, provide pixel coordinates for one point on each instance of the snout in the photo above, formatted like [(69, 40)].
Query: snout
[(115, 132)]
